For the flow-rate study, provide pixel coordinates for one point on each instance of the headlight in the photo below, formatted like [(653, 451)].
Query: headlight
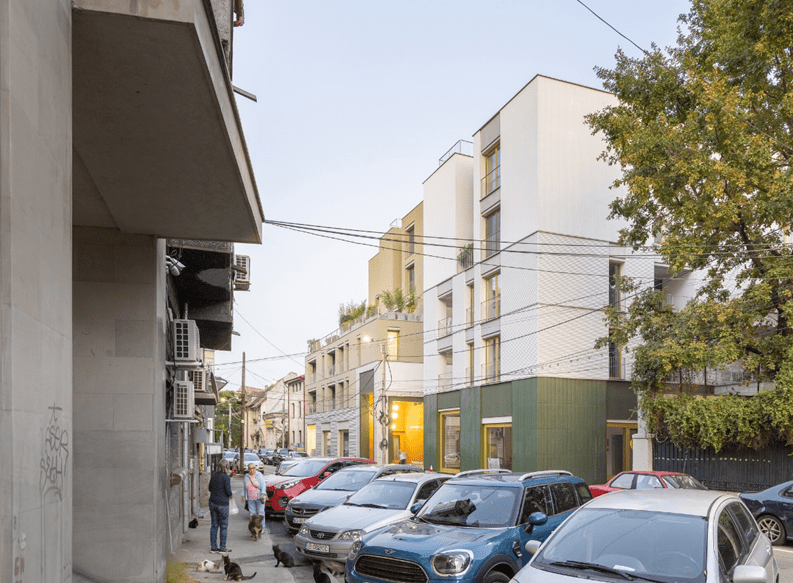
[(356, 548), (287, 485), (350, 535), (451, 563), (303, 530)]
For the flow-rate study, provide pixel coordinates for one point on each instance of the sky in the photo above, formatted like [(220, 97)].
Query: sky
[(357, 100)]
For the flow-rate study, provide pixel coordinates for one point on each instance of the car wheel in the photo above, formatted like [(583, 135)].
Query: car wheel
[(496, 577), (773, 529)]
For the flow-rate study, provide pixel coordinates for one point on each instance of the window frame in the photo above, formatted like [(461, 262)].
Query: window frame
[(494, 247), (442, 416)]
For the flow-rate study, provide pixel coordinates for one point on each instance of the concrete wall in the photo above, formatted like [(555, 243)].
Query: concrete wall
[(119, 399), (35, 291)]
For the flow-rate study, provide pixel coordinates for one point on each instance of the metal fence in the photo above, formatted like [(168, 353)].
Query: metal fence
[(731, 470)]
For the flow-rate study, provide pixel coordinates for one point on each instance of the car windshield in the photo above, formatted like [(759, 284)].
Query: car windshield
[(252, 457), (662, 546), (305, 468), (463, 505), (384, 494), (349, 480), (682, 481)]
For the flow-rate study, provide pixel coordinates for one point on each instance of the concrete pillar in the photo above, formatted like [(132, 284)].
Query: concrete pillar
[(35, 291), (642, 447), (120, 483)]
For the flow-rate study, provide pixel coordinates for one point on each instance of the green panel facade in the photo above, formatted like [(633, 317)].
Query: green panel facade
[(571, 423), (449, 400), (431, 431), (497, 400), (621, 401), (524, 425), (470, 429)]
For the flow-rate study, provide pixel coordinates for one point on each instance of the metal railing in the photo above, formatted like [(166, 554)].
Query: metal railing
[(331, 370), (490, 372), (492, 244), (465, 258), (469, 317), (444, 327), (311, 408), (491, 308), (469, 375), (491, 182), (461, 147), (445, 381), (311, 377)]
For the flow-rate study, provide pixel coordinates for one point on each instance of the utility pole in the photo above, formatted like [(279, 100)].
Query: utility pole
[(242, 419)]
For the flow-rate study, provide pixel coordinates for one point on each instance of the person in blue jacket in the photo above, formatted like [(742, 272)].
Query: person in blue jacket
[(219, 493), (254, 490)]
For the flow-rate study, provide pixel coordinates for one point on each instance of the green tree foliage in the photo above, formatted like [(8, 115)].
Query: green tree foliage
[(399, 300), (228, 398), (702, 135), (351, 311)]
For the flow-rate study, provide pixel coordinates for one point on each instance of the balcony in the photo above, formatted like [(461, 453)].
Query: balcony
[(331, 370), (491, 308), (340, 368), (444, 381), (444, 327), (492, 244), (312, 378), (490, 372), (461, 147), (465, 258), (311, 408), (491, 182)]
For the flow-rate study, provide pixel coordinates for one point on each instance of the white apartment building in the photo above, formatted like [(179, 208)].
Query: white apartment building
[(296, 406), (511, 376)]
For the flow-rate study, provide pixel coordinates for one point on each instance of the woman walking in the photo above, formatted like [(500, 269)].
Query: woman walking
[(219, 494), (254, 490)]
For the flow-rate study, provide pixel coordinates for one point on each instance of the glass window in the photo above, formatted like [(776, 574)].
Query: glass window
[(683, 481), (498, 446), (583, 492), (614, 294), (623, 481), (729, 542), (646, 482), (564, 497), (411, 239), (411, 278), (469, 505), (344, 443), (536, 499), (427, 490), (745, 522), (349, 480), (492, 233), (492, 177), (450, 441), (384, 494), (615, 360), (392, 346), (492, 305), (492, 359)]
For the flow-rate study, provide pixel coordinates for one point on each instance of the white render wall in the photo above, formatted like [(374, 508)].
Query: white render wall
[(35, 291)]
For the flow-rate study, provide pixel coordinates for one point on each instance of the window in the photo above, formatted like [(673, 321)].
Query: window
[(614, 293), (411, 230), (624, 481), (326, 444), (469, 311), (492, 359), (564, 497), (498, 446), (492, 233), (615, 360), (729, 542), (344, 443), (745, 523), (392, 347), (427, 490), (491, 307), (470, 372), (492, 178), (583, 492), (646, 482), (411, 278), (536, 499), (450, 441)]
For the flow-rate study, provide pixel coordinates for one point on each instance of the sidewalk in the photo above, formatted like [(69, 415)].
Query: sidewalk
[(252, 556)]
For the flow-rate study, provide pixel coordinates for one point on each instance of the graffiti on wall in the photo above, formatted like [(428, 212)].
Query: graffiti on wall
[(54, 456)]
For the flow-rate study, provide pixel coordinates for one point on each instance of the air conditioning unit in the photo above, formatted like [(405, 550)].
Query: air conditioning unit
[(184, 400), (199, 379), (242, 275), (187, 344), (209, 424)]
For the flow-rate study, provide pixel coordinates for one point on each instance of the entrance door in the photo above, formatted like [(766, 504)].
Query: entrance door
[(619, 446)]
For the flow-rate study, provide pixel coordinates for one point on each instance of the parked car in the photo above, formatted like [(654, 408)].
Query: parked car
[(329, 535), (281, 467), (773, 509), (267, 455), (303, 475), (335, 490), (471, 530), (250, 458), (280, 454), (654, 535), (643, 480)]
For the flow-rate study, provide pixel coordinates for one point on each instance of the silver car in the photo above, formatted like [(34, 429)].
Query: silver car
[(327, 537), (655, 535)]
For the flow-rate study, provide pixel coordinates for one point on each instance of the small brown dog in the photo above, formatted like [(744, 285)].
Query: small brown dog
[(255, 525)]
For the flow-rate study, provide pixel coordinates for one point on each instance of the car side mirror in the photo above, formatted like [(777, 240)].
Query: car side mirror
[(324, 475), (749, 574), (416, 507), (532, 546), (536, 519)]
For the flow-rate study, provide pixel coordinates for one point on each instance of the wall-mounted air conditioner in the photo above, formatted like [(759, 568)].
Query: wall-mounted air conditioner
[(187, 344), (199, 380), (209, 424), (242, 273), (184, 400)]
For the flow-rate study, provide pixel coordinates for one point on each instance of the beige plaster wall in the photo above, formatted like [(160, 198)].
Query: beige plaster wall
[(119, 403), (35, 291)]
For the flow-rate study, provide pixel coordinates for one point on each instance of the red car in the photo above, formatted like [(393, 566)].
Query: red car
[(303, 476), (641, 480)]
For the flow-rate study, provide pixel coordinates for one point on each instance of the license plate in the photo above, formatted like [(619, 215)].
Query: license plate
[(299, 520), (318, 548)]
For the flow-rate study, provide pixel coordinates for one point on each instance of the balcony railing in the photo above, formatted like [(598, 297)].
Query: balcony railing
[(465, 258), (311, 408), (491, 182), (469, 317), (311, 377), (491, 308), (444, 327), (490, 372), (340, 367), (444, 381), (331, 370), (349, 326), (469, 375), (461, 147), (492, 244)]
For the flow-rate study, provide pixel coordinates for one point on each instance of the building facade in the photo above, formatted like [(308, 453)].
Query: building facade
[(363, 381), (511, 376), (296, 406)]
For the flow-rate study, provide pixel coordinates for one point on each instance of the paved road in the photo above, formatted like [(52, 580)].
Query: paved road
[(784, 558)]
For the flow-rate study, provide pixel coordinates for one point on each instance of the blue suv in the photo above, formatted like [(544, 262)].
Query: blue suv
[(472, 530)]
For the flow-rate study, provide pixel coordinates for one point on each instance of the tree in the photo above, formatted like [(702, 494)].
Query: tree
[(228, 399), (702, 135)]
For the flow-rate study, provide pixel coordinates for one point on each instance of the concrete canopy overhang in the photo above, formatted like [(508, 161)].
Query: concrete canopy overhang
[(157, 140)]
